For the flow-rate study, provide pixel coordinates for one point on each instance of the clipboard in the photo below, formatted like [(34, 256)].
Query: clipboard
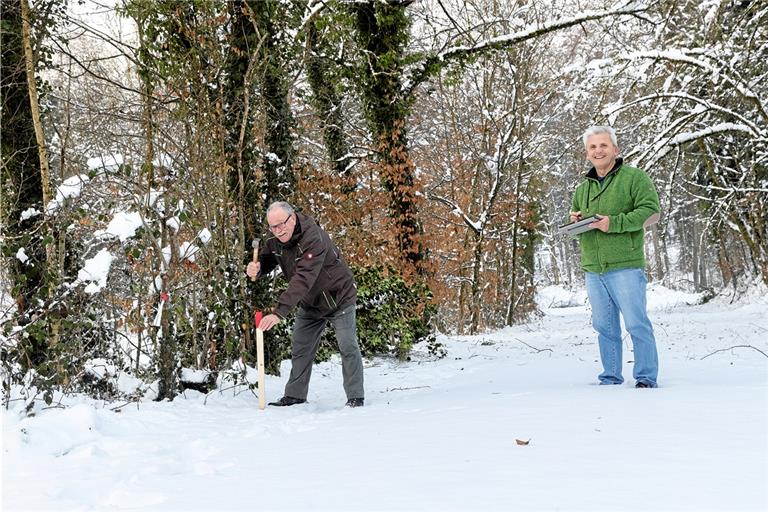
[(578, 227)]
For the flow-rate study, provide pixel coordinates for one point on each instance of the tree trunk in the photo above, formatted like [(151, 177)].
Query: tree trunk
[(274, 85), (382, 34), (51, 267), (691, 236), (168, 383), (45, 172), (20, 178), (328, 105), (657, 254), (556, 272), (476, 301)]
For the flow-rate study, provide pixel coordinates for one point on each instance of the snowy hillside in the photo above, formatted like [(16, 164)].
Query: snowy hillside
[(438, 434)]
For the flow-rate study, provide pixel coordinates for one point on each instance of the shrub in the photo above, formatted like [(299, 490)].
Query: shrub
[(392, 314)]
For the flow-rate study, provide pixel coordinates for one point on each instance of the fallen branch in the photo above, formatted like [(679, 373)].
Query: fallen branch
[(405, 389), (731, 348), (532, 347)]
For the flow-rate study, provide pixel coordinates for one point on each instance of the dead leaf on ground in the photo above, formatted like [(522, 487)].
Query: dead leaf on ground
[(521, 442)]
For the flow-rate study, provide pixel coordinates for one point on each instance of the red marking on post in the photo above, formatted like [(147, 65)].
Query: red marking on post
[(164, 296), (309, 255), (257, 318)]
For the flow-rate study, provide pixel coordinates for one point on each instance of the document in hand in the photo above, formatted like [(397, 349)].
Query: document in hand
[(574, 228)]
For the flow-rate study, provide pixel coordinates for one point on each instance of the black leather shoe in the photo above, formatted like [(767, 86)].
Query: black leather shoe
[(355, 402), (288, 400), (642, 385)]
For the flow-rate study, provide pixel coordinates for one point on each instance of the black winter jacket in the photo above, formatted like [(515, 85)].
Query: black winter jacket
[(319, 279)]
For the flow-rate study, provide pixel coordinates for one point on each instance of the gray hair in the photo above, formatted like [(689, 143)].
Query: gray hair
[(595, 130), (287, 208)]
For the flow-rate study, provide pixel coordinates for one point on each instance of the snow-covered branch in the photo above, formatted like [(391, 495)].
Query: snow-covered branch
[(756, 130), (435, 62), (684, 138), (458, 211), (312, 11), (697, 58)]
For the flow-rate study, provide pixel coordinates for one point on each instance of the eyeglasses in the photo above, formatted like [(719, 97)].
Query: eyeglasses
[(279, 226)]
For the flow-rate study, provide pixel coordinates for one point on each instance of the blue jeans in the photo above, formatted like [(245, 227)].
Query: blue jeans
[(622, 291)]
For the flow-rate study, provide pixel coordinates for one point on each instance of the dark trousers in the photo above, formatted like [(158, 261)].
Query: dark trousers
[(307, 330)]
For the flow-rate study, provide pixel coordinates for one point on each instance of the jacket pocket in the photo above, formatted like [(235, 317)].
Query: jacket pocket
[(330, 300), (621, 247)]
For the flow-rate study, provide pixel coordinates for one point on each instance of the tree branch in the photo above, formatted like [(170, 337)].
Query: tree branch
[(731, 348), (434, 63)]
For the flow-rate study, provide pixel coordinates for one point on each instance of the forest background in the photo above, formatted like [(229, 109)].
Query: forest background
[(437, 141)]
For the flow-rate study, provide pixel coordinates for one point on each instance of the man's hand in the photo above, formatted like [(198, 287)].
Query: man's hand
[(575, 216), (602, 224), (269, 321), (253, 269)]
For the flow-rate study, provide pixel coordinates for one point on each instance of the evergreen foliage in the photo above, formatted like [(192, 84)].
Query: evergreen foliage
[(393, 315)]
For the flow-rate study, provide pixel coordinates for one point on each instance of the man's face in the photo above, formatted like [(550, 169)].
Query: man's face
[(281, 224), (600, 150)]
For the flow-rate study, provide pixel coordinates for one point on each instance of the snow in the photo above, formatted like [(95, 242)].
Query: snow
[(204, 235), (95, 272), (187, 251), (167, 253), (123, 225), (437, 434), (272, 157), (108, 162), (29, 213), (21, 255), (69, 188), (100, 368), (174, 223), (190, 375)]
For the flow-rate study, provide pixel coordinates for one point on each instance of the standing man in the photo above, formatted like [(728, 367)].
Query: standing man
[(613, 257), (323, 287)]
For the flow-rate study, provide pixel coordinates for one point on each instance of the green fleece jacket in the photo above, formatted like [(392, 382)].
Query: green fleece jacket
[(628, 197)]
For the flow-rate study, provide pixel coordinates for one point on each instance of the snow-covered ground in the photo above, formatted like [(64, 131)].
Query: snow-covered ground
[(438, 434)]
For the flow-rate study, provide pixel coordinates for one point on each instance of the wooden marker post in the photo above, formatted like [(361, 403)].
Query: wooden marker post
[(260, 360)]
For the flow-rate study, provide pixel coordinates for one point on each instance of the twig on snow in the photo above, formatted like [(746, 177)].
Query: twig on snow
[(731, 348), (532, 347), (405, 389)]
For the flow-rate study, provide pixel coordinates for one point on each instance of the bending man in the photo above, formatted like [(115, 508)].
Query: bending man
[(322, 286)]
